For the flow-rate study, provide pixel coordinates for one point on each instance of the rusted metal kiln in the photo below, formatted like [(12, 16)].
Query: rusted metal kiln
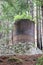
[(24, 31)]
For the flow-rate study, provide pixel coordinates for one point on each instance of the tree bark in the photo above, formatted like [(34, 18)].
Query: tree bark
[(39, 37)]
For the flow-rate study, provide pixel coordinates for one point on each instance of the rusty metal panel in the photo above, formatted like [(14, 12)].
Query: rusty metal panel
[(24, 31)]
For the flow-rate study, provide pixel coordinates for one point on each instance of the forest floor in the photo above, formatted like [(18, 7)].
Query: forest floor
[(19, 59)]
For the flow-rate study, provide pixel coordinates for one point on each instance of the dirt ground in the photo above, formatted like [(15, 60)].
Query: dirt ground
[(26, 60)]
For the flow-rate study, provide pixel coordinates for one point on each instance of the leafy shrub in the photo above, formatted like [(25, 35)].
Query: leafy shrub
[(22, 16), (40, 61)]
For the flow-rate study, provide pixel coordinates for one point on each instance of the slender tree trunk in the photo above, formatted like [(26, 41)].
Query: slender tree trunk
[(42, 24), (39, 37), (12, 36), (7, 33), (7, 40)]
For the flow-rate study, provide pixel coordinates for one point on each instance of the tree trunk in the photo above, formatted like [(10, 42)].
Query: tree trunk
[(39, 37), (42, 24), (12, 36)]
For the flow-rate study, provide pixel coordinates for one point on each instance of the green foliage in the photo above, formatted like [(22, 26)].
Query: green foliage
[(19, 5), (22, 16), (38, 2), (14, 9), (8, 12), (40, 61), (11, 2)]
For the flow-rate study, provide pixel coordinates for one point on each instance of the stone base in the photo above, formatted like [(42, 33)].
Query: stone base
[(20, 49), (34, 51)]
